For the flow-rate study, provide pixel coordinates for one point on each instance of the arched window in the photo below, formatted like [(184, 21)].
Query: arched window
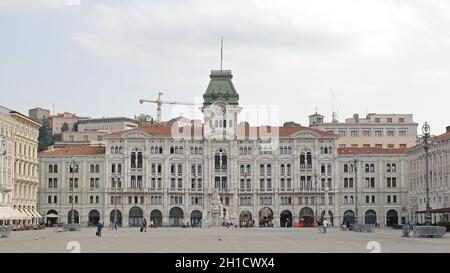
[(55, 168), (97, 199), (242, 169), (282, 169), (120, 150), (366, 168), (55, 199), (92, 168), (345, 182), (367, 199), (373, 198), (119, 168), (133, 160), (76, 199), (116, 149), (345, 199), (196, 150), (139, 164), (50, 168), (172, 169), (91, 199), (269, 170), (97, 168), (345, 168), (70, 199), (261, 170), (180, 169), (288, 169), (152, 150), (113, 168), (112, 149), (330, 150), (394, 168), (372, 168), (325, 150), (49, 199), (388, 168)]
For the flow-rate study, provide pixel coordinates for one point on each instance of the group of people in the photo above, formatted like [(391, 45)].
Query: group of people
[(144, 225)]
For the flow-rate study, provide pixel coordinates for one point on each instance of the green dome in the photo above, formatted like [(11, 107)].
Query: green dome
[(220, 88)]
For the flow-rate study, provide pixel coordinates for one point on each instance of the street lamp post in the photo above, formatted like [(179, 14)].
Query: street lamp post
[(73, 165), (355, 168), (426, 146)]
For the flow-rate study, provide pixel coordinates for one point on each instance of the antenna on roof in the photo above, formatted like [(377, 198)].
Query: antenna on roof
[(333, 113), (221, 53), (53, 108)]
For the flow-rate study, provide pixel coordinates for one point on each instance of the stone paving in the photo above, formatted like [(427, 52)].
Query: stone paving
[(220, 240)]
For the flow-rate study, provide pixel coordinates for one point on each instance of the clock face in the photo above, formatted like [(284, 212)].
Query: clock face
[(426, 129), (220, 110)]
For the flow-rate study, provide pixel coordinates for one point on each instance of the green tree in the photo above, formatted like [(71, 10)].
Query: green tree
[(65, 127), (291, 124)]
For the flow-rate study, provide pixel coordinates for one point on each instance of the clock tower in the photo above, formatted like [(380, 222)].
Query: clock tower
[(220, 105)]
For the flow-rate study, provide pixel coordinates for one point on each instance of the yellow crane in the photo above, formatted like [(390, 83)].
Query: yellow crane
[(159, 104)]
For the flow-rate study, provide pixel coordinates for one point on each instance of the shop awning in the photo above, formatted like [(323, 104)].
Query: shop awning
[(441, 210), (25, 215), (36, 213), (4, 215), (51, 215), (14, 213)]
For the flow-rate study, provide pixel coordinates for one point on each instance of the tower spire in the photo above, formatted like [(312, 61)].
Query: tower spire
[(221, 53)]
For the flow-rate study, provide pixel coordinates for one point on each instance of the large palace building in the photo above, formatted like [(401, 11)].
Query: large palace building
[(280, 176)]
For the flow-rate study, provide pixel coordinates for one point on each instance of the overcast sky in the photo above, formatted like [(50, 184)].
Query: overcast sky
[(99, 57)]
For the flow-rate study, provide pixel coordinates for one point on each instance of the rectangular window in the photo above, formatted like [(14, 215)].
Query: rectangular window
[(390, 133), (354, 145), (366, 133), (401, 120), (342, 133), (378, 133), (342, 145), (379, 145), (402, 133), (366, 145), (390, 145), (354, 133), (377, 120), (389, 120)]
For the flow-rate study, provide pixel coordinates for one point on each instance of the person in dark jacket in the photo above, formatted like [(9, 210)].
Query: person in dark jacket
[(99, 229)]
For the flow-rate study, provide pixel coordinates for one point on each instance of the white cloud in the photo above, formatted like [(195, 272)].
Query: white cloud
[(32, 5), (432, 76)]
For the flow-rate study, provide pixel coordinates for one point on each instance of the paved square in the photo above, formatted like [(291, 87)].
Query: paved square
[(221, 240)]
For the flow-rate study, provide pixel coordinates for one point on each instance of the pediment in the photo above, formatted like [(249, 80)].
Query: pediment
[(305, 134), (136, 135)]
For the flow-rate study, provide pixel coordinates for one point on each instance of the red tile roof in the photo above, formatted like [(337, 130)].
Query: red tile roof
[(371, 150), (444, 136), (240, 131), (75, 150)]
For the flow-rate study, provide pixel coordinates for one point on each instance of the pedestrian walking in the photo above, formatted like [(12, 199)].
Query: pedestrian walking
[(145, 225), (99, 229), (325, 225)]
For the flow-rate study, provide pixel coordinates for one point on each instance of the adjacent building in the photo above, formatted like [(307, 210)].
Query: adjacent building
[(18, 168), (39, 114), (58, 121), (376, 190), (376, 130), (113, 124), (439, 185)]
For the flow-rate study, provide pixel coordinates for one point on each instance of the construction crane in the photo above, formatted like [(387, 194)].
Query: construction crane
[(159, 104)]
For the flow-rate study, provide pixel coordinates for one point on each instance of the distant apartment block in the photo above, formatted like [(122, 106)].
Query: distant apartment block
[(376, 130), (113, 124)]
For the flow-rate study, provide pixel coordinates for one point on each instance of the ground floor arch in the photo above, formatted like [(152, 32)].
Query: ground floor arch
[(330, 214), (156, 218), (196, 218), (370, 217), (176, 217), (93, 217), (245, 218), (135, 217), (286, 218), (306, 217), (349, 217), (116, 216), (391, 218), (53, 219), (265, 217), (76, 217)]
